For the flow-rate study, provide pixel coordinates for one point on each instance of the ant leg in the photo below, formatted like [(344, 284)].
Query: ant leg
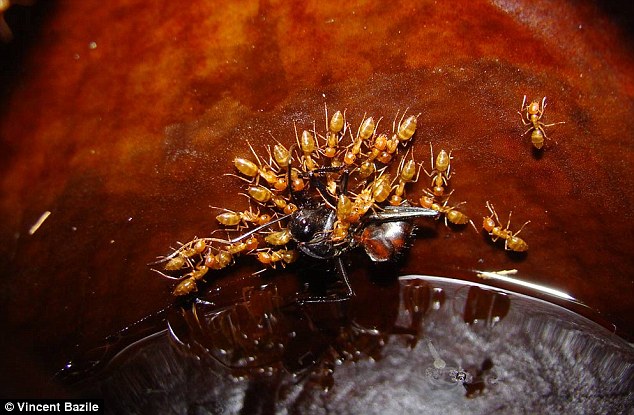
[(493, 212), (420, 166), (259, 228), (526, 223), (497, 218), (344, 276), (376, 126), (555, 123), (400, 213), (322, 170), (341, 270), (292, 194), (541, 128), (320, 185), (430, 174), (523, 120), (254, 154), (396, 117), (529, 128), (344, 181), (448, 173)]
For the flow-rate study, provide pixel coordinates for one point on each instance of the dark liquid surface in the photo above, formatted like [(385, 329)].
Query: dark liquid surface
[(437, 343)]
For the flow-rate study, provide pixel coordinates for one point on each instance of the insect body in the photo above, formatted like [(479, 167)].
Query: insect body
[(450, 212), (383, 148), (492, 225), (230, 218), (366, 131), (200, 255), (326, 221), (441, 171), (336, 128), (406, 173), (531, 114), (265, 171), (283, 256), (388, 232)]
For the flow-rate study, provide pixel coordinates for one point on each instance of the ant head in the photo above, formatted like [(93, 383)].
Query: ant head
[(488, 223), (305, 223), (426, 201), (533, 108)]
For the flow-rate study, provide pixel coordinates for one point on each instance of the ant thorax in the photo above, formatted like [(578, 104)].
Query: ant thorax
[(311, 229)]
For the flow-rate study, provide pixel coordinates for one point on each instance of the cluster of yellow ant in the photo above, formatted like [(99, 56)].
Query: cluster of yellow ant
[(274, 185), (321, 196)]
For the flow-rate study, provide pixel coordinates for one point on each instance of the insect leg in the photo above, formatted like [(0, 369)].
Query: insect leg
[(320, 185), (341, 270), (526, 223), (259, 228), (400, 213)]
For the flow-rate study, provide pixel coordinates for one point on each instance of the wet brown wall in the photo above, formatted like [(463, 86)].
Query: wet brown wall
[(121, 118)]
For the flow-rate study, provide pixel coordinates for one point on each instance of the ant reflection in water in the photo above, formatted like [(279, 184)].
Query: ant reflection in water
[(320, 210), (264, 334), (418, 298), (484, 375), (248, 335), (485, 309)]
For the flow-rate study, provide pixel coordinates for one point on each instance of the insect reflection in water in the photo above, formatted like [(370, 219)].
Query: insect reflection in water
[(266, 333), (313, 205)]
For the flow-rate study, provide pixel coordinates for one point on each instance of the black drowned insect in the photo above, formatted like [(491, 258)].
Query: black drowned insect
[(320, 199)]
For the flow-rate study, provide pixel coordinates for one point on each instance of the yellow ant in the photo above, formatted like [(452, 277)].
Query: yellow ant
[(533, 116), (450, 212), (492, 225), (406, 172), (441, 171), (335, 129), (202, 246)]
